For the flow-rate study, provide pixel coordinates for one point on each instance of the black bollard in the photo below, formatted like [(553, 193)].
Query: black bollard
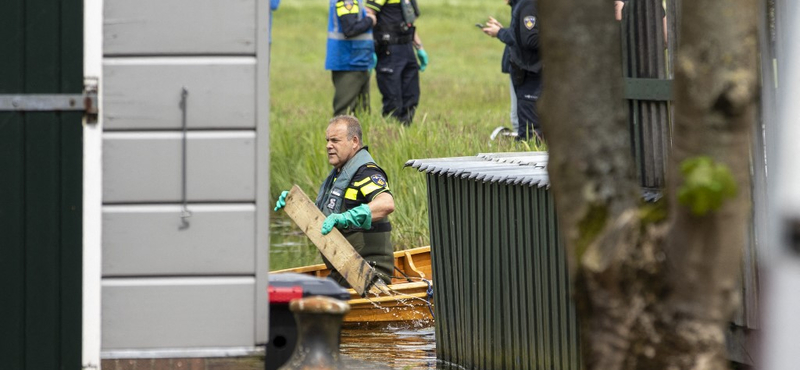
[(283, 289), (319, 327)]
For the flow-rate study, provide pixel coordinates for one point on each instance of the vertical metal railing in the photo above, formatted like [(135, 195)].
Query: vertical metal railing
[(648, 87), (502, 287)]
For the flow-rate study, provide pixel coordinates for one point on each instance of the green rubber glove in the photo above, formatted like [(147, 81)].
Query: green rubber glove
[(281, 201), (360, 217), (374, 61), (423, 59)]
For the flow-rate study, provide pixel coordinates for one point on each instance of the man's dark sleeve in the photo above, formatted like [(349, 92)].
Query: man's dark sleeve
[(352, 26), (529, 37), (506, 36)]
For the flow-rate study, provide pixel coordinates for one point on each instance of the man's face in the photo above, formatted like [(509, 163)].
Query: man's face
[(339, 149)]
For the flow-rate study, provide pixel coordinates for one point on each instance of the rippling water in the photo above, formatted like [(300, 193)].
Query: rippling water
[(399, 346), (396, 346)]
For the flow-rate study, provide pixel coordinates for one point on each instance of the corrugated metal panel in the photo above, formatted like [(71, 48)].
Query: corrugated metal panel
[(502, 288), (148, 240), (650, 123), (149, 27), (143, 93), (503, 292), (178, 313), (146, 167), (643, 57)]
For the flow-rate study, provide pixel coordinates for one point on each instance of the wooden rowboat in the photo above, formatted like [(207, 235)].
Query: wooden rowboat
[(409, 300)]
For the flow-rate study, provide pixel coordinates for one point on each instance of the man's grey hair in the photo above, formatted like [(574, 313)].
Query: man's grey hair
[(353, 126)]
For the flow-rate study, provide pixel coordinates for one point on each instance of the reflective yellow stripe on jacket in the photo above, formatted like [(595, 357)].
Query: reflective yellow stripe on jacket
[(341, 9), (377, 4), (366, 186)]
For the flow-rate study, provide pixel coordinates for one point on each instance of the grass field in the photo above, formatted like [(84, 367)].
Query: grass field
[(464, 97)]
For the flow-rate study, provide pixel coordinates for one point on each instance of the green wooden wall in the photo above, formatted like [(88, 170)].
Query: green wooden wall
[(41, 52)]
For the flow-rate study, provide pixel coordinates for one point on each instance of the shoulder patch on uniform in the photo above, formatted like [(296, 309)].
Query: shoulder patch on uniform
[(378, 180), (530, 22), (348, 4)]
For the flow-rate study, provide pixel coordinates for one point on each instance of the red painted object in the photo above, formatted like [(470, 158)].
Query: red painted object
[(280, 294)]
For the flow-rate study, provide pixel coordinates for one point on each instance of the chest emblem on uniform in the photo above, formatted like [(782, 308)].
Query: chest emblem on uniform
[(378, 180), (530, 22), (348, 4), (331, 204)]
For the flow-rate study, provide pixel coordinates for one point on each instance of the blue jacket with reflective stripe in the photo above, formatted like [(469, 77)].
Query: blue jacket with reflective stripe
[(348, 54)]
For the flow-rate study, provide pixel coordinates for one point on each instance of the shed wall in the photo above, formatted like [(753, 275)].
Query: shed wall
[(170, 285)]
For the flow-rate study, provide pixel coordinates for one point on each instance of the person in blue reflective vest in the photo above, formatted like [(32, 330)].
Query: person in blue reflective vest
[(355, 198), (397, 69), (349, 55)]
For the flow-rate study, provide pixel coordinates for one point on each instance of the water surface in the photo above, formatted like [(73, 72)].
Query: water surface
[(399, 346)]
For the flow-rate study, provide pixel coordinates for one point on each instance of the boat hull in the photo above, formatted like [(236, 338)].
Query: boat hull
[(409, 301)]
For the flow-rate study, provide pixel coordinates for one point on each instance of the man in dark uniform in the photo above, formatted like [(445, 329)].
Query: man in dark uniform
[(397, 70), (355, 198), (495, 29), (526, 67)]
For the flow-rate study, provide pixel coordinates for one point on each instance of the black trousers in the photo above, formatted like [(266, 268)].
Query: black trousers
[(352, 92), (528, 90), (397, 73)]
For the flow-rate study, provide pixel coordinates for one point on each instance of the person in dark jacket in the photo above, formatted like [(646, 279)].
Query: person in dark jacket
[(526, 65), (495, 29)]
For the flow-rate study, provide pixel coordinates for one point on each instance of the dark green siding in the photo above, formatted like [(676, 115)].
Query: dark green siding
[(501, 283), (40, 188)]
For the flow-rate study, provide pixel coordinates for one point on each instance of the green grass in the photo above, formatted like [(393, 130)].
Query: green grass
[(464, 97)]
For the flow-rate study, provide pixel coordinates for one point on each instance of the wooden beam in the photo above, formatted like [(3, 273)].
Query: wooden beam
[(333, 246)]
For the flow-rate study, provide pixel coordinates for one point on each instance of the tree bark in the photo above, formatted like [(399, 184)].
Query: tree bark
[(716, 92), (653, 292)]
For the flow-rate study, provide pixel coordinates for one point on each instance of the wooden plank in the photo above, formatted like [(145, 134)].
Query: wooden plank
[(333, 246), (414, 262), (409, 268)]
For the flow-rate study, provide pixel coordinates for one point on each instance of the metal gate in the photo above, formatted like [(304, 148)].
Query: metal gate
[(41, 84)]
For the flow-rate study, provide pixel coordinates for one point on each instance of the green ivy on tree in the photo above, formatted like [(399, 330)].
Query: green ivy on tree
[(706, 184)]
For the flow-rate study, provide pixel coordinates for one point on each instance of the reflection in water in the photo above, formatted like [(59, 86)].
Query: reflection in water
[(394, 345), (288, 246)]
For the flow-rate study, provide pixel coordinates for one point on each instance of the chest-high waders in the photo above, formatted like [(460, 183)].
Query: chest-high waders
[(374, 245)]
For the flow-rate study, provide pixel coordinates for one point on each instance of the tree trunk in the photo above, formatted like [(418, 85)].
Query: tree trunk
[(655, 284)]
